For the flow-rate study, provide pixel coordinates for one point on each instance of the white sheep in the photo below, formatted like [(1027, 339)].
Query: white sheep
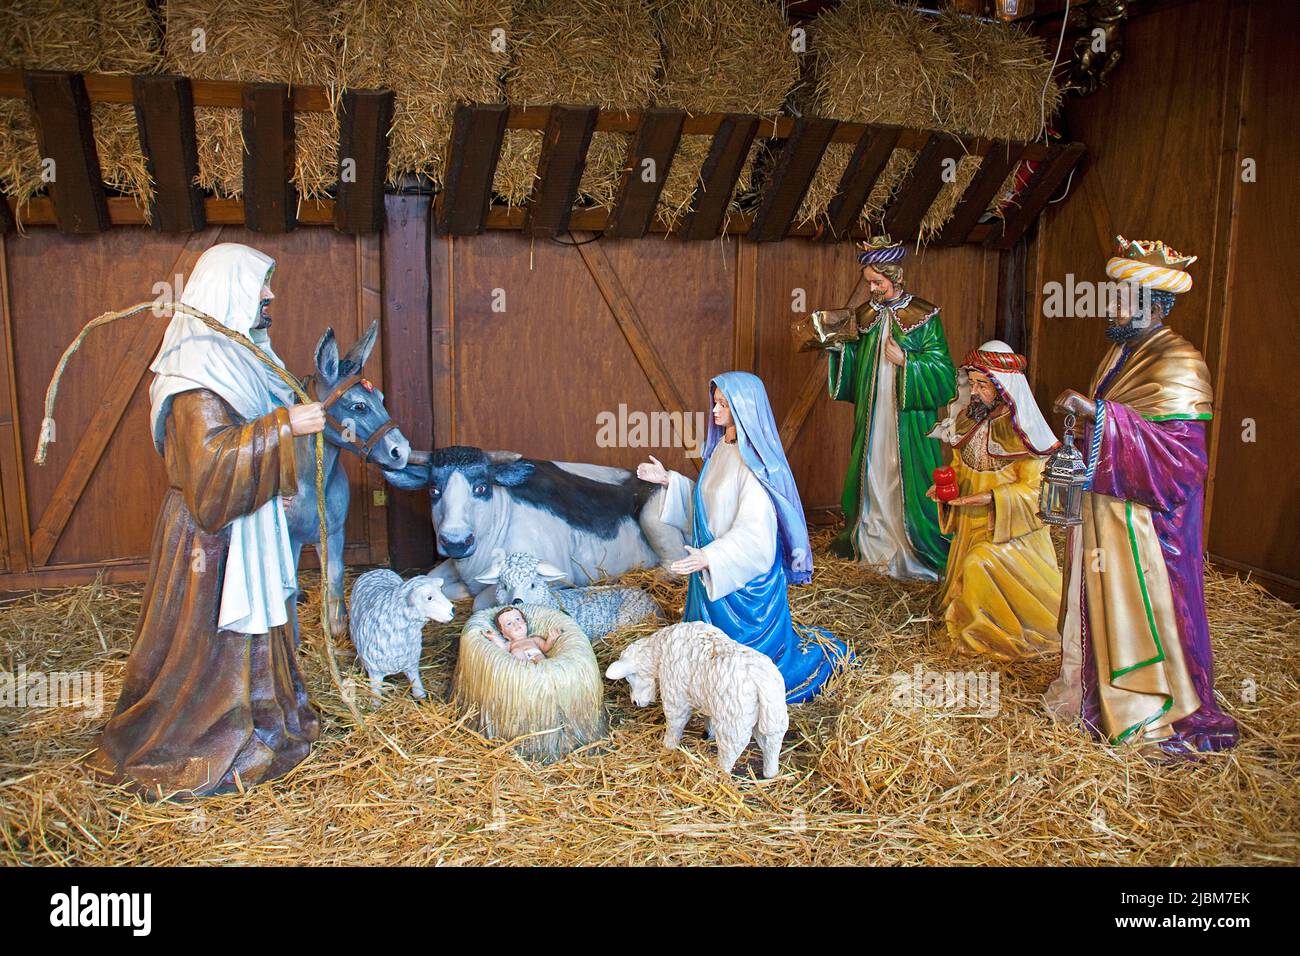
[(388, 616), (699, 667), (523, 578)]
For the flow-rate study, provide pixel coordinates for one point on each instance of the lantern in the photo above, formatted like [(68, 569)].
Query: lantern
[(1065, 475), (1013, 9)]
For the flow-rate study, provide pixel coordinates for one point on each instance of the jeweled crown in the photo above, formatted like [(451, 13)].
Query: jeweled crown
[(1153, 252)]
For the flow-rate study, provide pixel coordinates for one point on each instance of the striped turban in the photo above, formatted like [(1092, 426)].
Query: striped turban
[(881, 255), (1150, 264)]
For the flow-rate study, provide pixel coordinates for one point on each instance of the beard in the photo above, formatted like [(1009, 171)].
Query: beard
[(977, 410), (1119, 334)]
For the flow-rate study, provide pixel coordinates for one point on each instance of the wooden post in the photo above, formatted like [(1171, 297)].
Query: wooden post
[(559, 169), (791, 177), (718, 175), (871, 154), (903, 217), (270, 199), (164, 116), (66, 138), (476, 135), (363, 160), (656, 141)]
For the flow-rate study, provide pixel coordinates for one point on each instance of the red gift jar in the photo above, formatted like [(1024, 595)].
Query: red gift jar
[(945, 484)]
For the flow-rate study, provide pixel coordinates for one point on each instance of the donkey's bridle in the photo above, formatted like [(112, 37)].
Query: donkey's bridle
[(362, 448)]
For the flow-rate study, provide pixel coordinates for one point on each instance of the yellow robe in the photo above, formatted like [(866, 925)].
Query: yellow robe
[(1002, 592)]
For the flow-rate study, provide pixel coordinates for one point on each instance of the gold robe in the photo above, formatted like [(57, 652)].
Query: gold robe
[(1003, 586), (199, 706)]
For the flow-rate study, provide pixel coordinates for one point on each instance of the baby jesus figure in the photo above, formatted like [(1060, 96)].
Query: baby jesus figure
[(516, 640)]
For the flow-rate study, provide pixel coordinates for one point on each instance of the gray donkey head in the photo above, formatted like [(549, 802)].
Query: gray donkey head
[(356, 417)]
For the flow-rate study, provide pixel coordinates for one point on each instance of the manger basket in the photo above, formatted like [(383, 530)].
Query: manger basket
[(549, 709)]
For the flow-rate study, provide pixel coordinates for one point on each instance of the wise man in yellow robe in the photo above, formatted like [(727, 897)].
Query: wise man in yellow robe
[(1002, 590)]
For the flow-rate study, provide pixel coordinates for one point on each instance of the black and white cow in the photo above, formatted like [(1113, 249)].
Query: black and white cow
[(592, 521)]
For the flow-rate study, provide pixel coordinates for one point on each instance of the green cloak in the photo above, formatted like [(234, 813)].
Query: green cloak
[(924, 386)]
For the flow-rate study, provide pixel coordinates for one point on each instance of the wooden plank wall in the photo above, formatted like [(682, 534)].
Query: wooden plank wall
[(1167, 138), (53, 284)]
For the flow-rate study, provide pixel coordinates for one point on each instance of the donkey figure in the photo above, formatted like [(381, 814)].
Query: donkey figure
[(356, 421)]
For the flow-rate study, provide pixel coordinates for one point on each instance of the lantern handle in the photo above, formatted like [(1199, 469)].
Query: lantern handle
[(1069, 422)]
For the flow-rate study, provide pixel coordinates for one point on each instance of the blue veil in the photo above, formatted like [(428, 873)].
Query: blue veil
[(759, 443)]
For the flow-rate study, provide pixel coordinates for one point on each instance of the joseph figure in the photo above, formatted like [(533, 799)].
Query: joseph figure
[(900, 377), (1136, 663), (211, 699)]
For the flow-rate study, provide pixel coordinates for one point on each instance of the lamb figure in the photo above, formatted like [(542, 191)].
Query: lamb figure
[(388, 616), (523, 578), (698, 667)]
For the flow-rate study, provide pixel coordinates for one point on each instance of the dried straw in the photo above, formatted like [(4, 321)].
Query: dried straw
[(551, 708), (272, 41), (861, 781), (720, 56), (433, 53), (590, 52), (876, 62), (107, 36)]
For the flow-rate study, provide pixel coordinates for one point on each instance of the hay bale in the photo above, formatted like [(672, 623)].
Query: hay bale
[(433, 54), (270, 41), (876, 62), (108, 36), (590, 52), (719, 56), (548, 709)]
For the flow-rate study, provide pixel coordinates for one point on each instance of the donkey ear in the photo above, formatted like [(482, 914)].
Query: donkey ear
[(327, 357), (512, 474), (361, 350)]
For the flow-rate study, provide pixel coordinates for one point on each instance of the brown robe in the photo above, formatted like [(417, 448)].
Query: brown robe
[(201, 705)]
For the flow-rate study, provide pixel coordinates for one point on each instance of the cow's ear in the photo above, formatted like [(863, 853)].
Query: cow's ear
[(327, 357), (361, 350), (512, 474), (410, 478)]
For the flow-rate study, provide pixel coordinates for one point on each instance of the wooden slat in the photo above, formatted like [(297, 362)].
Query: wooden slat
[(634, 330), (370, 309), (476, 136), (870, 155), (718, 175), (269, 195), (559, 169), (95, 435), (792, 174), (7, 221), (813, 385), (65, 134), (164, 115), (364, 120), (1047, 179), (636, 198), (993, 172), (12, 477), (744, 352), (902, 219)]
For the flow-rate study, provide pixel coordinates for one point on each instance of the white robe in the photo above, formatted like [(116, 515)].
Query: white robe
[(881, 532), (740, 515)]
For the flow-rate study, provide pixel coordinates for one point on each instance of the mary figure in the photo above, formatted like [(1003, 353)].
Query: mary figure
[(750, 537)]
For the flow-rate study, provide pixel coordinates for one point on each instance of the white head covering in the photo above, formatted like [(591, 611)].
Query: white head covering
[(1000, 362), (226, 284)]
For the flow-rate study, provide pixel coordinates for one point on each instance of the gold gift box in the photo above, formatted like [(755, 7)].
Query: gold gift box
[(825, 329)]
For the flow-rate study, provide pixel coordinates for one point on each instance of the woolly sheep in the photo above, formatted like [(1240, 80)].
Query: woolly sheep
[(699, 667), (388, 616), (523, 578)]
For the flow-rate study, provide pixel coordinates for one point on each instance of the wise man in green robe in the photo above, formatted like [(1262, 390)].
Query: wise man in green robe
[(900, 376)]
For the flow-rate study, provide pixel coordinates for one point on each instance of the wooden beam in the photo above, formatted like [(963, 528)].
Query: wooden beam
[(718, 175), (66, 137), (7, 221), (12, 476), (902, 219), (993, 172), (476, 135), (869, 157), (95, 435), (164, 115), (634, 330), (364, 119), (559, 169), (1044, 184), (813, 384), (635, 199), (270, 199), (792, 174), (744, 348)]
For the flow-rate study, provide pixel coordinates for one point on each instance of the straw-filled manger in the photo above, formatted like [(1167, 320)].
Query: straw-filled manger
[(864, 778)]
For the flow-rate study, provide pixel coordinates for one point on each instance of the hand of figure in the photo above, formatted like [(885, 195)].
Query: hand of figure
[(893, 352), (972, 501), (307, 419), (929, 493), (652, 471), (695, 560), (1070, 402), (553, 634)]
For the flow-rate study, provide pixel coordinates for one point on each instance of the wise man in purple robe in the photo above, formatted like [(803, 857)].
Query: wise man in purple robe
[(1136, 663)]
